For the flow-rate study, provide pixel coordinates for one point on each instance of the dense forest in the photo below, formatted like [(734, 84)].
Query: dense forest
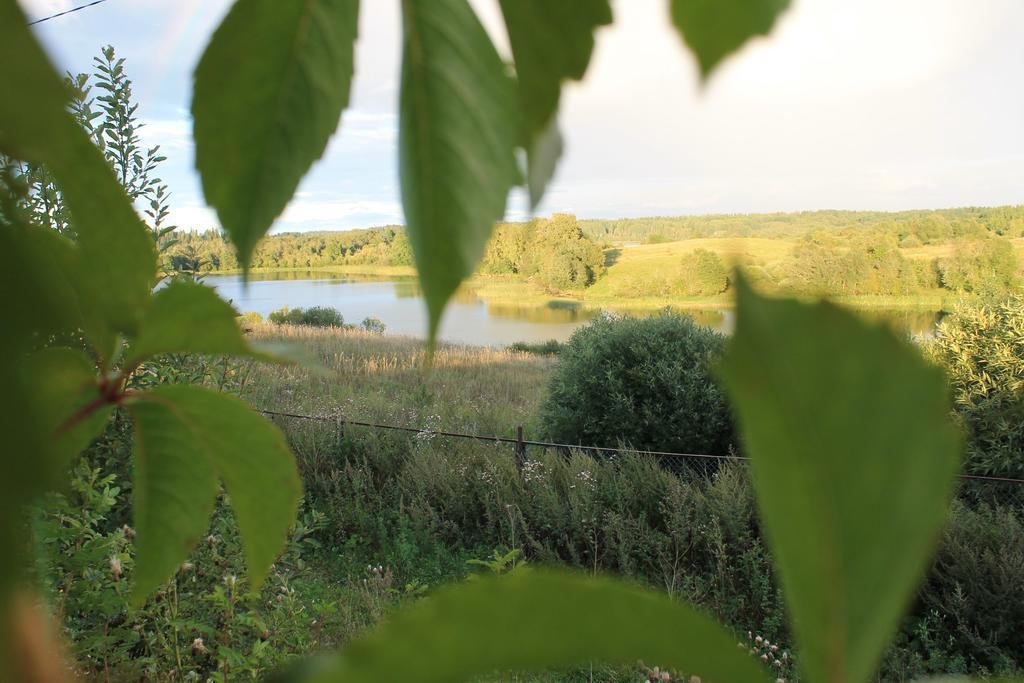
[(967, 251)]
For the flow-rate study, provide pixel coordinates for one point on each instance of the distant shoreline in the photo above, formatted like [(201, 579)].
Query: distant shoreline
[(502, 290)]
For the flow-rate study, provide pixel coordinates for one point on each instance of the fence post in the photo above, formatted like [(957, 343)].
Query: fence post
[(520, 447)]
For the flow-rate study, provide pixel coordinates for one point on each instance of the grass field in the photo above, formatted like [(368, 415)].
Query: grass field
[(378, 378)]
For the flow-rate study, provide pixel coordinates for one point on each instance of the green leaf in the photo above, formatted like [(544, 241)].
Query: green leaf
[(713, 29), (535, 620), (65, 392), (175, 488), (541, 161), (116, 257), (251, 457), (264, 111), (551, 42), (187, 317), (39, 269), (854, 458), (458, 131)]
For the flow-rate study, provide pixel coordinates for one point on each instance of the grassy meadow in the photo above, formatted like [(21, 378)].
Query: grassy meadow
[(382, 378)]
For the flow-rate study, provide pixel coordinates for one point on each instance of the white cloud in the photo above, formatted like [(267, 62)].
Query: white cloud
[(868, 104)]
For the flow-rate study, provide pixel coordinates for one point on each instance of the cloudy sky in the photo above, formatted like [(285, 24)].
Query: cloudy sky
[(874, 104)]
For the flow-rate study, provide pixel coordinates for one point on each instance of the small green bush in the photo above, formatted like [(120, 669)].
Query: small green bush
[(374, 325), (551, 347), (249, 320), (315, 316), (643, 381)]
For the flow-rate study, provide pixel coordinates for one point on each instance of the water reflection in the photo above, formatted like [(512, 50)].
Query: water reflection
[(552, 312), (398, 303)]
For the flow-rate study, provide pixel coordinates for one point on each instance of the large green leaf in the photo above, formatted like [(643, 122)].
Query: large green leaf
[(175, 488), (551, 42), (116, 257), (458, 130), (535, 620), (248, 453), (715, 28), (187, 317), (268, 94), (854, 458), (65, 392), (36, 301)]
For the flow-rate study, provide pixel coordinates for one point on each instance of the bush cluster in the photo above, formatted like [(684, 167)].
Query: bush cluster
[(314, 316), (551, 347), (645, 381)]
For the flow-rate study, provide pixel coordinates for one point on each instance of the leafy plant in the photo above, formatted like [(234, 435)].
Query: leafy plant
[(982, 350), (646, 381), (314, 316)]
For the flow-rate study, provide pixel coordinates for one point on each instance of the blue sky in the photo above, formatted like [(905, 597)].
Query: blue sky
[(875, 104)]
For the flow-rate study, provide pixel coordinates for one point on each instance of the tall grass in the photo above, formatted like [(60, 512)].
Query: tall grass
[(369, 377)]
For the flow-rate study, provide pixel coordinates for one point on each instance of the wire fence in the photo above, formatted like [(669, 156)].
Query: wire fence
[(1007, 489)]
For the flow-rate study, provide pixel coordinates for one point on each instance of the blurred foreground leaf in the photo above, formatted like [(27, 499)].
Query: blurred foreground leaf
[(212, 432), (269, 90), (458, 130), (854, 459), (536, 620), (187, 317), (715, 28), (115, 261), (64, 389), (551, 42)]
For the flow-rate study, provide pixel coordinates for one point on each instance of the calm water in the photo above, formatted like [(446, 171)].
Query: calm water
[(468, 319)]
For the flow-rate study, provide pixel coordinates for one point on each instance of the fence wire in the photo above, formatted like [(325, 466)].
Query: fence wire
[(971, 487)]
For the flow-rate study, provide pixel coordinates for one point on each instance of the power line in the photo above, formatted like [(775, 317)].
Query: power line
[(69, 11), (547, 444)]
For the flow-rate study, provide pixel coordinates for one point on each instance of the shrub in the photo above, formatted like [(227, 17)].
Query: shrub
[(315, 316), (249, 320), (374, 325), (551, 347), (702, 273), (644, 381), (982, 350)]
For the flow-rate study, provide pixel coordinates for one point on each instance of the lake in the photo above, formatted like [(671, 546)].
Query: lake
[(398, 303)]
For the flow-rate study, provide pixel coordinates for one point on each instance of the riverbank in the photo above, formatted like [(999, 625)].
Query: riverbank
[(508, 291)]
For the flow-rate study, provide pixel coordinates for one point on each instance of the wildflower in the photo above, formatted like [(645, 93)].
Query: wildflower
[(115, 567), (777, 663), (186, 566), (198, 646), (759, 640), (775, 648), (128, 532)]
